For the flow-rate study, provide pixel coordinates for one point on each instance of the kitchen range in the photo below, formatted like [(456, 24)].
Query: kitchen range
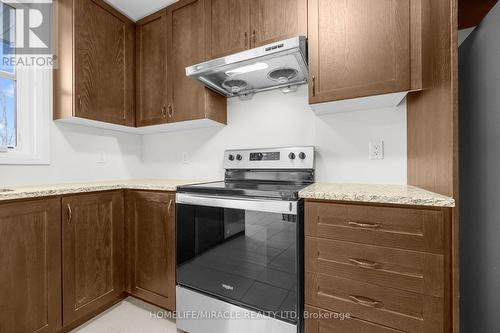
[(240, 243)]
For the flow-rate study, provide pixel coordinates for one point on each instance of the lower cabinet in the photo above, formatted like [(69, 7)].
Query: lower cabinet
[(151, 246), (386, 267), (93, 253), (30, 266)]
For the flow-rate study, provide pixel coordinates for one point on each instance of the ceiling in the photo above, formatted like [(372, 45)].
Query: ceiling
[(137, 9)]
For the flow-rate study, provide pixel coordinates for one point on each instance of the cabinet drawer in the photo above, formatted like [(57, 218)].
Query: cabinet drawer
[(321, 321), (404, 228), (394, 308), (418, 272)]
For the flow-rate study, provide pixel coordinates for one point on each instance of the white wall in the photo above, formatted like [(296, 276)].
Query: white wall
[(272, 119), (76, 156)]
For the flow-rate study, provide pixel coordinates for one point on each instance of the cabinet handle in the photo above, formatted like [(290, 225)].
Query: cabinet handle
[(170, 206), (364, 263), (254, 37), (170, 111), (314, 85), (246, 39), (365, 301), (70, 213), (364, 225), (80, 103), (164, 111)]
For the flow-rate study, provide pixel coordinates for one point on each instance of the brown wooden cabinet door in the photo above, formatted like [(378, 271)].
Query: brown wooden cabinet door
[(230, 27), (358, 48), (104, 51), (186, 47), (30, 266), (151, 246), (93, 253), (274, 20), (151, 33)]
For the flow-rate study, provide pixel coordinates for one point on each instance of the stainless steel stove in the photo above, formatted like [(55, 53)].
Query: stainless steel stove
[(240, 244)]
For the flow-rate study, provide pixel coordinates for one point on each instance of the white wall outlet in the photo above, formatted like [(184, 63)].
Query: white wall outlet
[(103, 159), (376, 150), (185, 158)]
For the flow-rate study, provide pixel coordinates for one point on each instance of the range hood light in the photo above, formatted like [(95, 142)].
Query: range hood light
[(247, 69)]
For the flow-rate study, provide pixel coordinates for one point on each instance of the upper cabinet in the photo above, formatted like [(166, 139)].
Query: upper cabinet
[(94, 79), (151, 34), (274, 20), (360, 48), (187, 30), (230, 27), (237, 25)]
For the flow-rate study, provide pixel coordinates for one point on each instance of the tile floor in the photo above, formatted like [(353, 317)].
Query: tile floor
[(129, 316)]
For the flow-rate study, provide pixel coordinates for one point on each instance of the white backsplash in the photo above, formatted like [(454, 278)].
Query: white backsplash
[(272, 119)]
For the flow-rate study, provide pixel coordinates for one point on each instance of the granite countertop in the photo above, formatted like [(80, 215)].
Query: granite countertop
[(384, 194), (23, 192)]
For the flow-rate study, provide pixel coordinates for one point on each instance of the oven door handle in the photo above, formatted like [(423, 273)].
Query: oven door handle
[(258, 205)]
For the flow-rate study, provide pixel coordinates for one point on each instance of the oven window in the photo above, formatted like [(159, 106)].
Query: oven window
[(244, 257)]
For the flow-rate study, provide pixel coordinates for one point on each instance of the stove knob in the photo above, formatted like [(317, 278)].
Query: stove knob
[(239, 157), (291, 156), (260, 156), (302, 156), (231, 157)]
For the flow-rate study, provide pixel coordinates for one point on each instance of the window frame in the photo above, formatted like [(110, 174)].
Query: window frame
[(33, 102)]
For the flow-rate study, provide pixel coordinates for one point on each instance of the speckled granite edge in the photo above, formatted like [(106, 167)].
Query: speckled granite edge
[(383, 194), (26, 192)]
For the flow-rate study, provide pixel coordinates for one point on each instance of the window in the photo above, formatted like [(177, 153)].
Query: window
[(8, 85), (25, 89)]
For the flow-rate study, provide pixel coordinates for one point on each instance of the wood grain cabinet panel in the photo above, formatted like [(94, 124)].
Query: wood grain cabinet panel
[(322, 321), (275, 20), (188, 99), (30, 266), (358, 48), (230, 27), (151, 34), (406, 311), (95, 76), (401, 269), (403, 228), (151, 246), (93, 253)]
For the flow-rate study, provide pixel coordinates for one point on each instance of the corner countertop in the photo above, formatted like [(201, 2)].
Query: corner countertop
[(25, 192), (372, 193), (368, 193)]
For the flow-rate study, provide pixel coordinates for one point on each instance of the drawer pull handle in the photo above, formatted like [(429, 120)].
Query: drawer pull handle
[(364, 263), (170, 206), (365, 301), (364, 225), (70, 214)]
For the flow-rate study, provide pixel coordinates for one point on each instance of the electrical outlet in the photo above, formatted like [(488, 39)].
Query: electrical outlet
[(185, 158), (376, 150), (103, 159)]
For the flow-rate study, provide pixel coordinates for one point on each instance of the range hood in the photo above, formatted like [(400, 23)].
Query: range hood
[(278, 65)]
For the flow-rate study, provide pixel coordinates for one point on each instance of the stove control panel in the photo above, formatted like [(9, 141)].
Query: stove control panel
[(271, 158)]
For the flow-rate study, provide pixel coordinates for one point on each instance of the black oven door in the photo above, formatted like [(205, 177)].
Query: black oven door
[(246, 252)]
